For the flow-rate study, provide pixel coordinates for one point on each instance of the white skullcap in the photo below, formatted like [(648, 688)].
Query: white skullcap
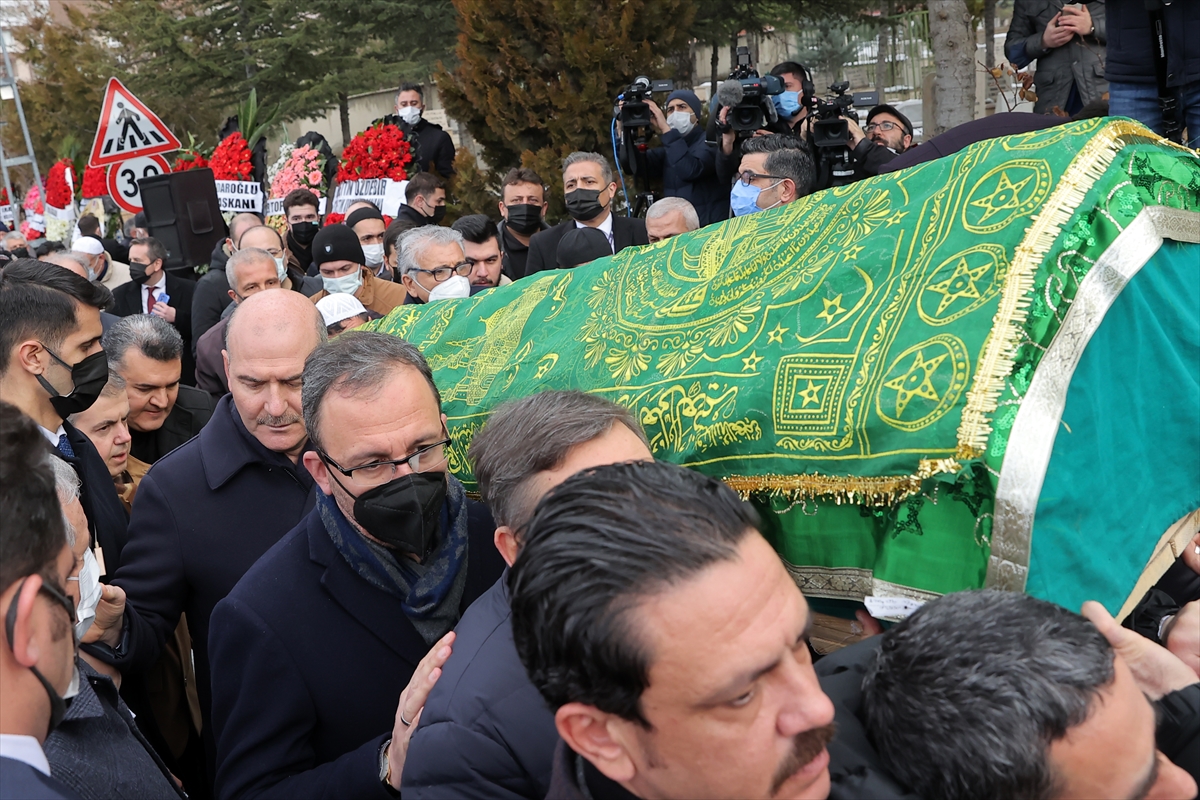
[(336, 307), (86, 244)]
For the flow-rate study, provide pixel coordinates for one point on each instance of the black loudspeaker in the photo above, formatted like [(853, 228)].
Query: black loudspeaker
[(182, 212)]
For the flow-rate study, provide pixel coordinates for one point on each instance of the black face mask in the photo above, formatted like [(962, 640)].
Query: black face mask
[(304, 232), (584, 204), (525, 218), (439, 214), (87, 377), (137, 272), (58, 706), (405, 513), (20, 252)]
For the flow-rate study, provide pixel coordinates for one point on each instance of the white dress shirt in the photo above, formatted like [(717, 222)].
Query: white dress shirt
[(158, 288), (24, 749), (605, 227)]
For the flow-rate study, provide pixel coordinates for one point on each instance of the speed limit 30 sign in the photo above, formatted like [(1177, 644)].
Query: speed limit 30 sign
[(123, 179)]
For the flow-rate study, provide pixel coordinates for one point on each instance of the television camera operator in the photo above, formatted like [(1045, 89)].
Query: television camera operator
[(887, 134), (684, 162), (750, 106)]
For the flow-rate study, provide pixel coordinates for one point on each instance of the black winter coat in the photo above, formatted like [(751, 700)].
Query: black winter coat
[(308, 662), (1130, 46), (203, 515), (688, 168), (193, 409), (485, 732), (212, 294)]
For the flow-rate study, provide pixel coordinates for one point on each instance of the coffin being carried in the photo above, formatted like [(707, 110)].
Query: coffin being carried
[(981, 371)]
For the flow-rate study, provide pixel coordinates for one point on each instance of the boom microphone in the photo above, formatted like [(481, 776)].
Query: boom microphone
[(730, 93)]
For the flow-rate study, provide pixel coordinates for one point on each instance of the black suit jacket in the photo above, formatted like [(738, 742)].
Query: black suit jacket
[(106, 516), (308, 662), (127, 301), (193, 409), (19, 781), (203, 515), (543, 247)]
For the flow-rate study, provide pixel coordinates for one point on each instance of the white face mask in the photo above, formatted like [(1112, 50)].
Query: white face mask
[(410, 114), (73, 689), (373, 253), (281, 270), (453, 287), (681, 121), (346, 284), (89, 594)]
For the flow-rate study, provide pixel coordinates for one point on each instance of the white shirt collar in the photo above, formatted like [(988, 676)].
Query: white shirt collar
[(24, 749), (53, 436), (605, 227), (158, 284)]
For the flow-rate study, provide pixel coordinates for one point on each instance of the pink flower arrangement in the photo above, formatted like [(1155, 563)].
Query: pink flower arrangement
[(302, 170)]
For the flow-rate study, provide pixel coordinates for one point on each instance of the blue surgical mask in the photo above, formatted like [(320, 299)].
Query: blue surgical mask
[(744, 198), (346, 284), (787, 104)]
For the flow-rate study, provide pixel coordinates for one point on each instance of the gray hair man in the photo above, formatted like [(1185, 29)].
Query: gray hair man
[(248, 271), (485, 702), (433, 260), (589, 193), (669, 217), (147, 351), (774, 170), (378, 573), (998, 694)]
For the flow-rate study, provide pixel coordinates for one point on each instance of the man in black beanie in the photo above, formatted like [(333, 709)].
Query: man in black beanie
[(339, 259), (582, 246)]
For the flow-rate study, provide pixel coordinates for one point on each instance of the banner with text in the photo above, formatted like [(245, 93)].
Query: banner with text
[(240, 196), (387, 194)]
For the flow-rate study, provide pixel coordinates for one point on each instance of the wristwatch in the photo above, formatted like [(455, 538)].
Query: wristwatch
[(385, 769)]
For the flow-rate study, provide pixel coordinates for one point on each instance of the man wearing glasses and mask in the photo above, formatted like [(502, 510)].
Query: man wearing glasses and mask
[(314, 647), (433, 265), (774, 170), (338, 256)]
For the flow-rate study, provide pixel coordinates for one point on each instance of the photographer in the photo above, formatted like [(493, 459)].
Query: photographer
[(686, 164), (887, 134), (789, 105)]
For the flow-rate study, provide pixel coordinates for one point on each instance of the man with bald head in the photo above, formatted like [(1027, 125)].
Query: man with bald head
[(210, 298), (208, 510)]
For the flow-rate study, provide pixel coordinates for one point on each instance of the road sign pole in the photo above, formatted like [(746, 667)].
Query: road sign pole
[(11, 79)]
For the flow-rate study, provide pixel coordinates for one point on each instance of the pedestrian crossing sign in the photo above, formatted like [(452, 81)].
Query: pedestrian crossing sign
[(128, 129)]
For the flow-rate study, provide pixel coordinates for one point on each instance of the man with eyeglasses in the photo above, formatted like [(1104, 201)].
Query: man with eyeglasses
[(433, 264), (312, 648), (775, 170), (481, 243), (887, 134), (37, 656), (339, 258)]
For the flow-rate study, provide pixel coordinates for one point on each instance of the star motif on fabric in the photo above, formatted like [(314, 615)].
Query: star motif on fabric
[(851, 253), (960, 284), (832, 309), (751, 362), (917, 381), (1006, 197), (776, 336), (811, 394), (895, 218)]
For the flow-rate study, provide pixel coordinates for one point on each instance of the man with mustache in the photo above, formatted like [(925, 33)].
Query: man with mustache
[(206, 511), (669, 641)]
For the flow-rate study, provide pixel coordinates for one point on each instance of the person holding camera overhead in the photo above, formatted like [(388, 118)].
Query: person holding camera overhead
[(789, 107), (685, 162)]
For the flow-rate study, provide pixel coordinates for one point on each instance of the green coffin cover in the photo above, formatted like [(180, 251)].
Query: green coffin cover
[(882, 368)]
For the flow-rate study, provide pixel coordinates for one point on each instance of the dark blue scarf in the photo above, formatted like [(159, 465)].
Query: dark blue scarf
[(431, 592)]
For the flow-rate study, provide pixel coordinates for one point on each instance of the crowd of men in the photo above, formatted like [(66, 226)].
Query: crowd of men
[(236, 563)]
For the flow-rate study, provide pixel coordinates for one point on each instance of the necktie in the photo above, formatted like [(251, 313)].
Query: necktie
[(64, 446), (611, 242), (150, 301)]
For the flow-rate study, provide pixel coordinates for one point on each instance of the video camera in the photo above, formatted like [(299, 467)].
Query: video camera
[(747, 95), (635, 114), (830, 135)]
